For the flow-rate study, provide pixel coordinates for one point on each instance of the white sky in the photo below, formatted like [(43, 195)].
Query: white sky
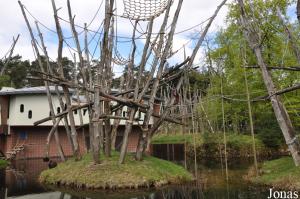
[(12, 23)]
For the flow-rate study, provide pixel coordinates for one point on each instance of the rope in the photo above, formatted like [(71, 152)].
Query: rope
[(292, 141)]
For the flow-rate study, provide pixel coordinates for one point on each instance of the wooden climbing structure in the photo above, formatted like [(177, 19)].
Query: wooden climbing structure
[(10, 155)]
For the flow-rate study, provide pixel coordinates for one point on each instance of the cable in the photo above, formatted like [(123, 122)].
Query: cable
[(95, 14), (97, 32)]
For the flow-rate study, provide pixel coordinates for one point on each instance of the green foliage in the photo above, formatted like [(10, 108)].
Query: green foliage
[(199, 80), (230, 53), (18, 71), (110, 174), (3, 163), (4, 81), (173, 138), (271, 137)]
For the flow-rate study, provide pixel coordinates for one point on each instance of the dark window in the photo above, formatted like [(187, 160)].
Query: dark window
[(84, 111), (8, 107), (75, 112), (124, 113), (23, 135), (29, 114), (58, 109), (22, 108)]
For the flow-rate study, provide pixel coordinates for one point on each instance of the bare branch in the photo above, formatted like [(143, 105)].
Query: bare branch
[(9, 56)]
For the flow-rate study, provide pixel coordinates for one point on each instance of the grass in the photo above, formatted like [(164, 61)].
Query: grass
[(174, 138), (110, 175), (280, 173), (3, 163), (208, 144)]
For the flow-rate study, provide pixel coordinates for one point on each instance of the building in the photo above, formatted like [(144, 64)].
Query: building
[(20, 108)]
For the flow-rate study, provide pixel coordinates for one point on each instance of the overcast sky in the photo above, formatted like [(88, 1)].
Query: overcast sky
[(12, 23)]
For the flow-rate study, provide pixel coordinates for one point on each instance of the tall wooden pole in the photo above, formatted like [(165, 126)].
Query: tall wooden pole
[(58, 94), (251, 122), (250, 111), (224, 131), (49, 97)]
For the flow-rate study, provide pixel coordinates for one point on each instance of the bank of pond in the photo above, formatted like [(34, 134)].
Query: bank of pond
[(281, 174), (210, 145)]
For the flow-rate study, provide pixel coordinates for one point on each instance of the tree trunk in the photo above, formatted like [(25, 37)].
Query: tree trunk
[(49, 97), (128, 129), (298, 10), (141, 143), (130, 111), (65, 88), (281, 114)]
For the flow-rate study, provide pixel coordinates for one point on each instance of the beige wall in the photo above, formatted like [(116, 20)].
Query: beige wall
[(39, 106)]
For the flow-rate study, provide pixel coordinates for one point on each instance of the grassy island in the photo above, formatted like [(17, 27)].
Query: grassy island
[(151, 172), (3, 163), (280, 173)]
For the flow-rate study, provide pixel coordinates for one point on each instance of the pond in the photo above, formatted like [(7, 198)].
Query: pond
[(20, 182)]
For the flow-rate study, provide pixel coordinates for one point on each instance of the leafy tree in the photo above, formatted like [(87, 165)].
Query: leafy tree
[(16, 72), (227, 60)]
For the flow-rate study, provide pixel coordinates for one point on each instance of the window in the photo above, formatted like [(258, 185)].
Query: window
[(84, 111), (8, 107), (29, 114), (124, 113), (75, 112), (58, 109), (22, 108), (23, 135)]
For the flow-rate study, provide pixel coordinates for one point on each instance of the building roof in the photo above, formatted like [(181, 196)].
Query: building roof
[(28, 90), (42, 90)]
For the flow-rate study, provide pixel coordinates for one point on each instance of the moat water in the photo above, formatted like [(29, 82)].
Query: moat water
[(20, 181)]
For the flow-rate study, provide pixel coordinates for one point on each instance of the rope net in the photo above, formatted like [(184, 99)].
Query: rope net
[(144, 9)]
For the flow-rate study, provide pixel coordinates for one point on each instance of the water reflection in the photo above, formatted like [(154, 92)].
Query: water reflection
[(20, 181), (20, 178)]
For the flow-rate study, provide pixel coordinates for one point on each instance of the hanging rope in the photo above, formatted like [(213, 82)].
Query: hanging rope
[(118, 59), (144, 9)]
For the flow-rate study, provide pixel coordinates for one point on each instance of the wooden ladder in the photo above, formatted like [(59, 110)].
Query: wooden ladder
[(13, 153)]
